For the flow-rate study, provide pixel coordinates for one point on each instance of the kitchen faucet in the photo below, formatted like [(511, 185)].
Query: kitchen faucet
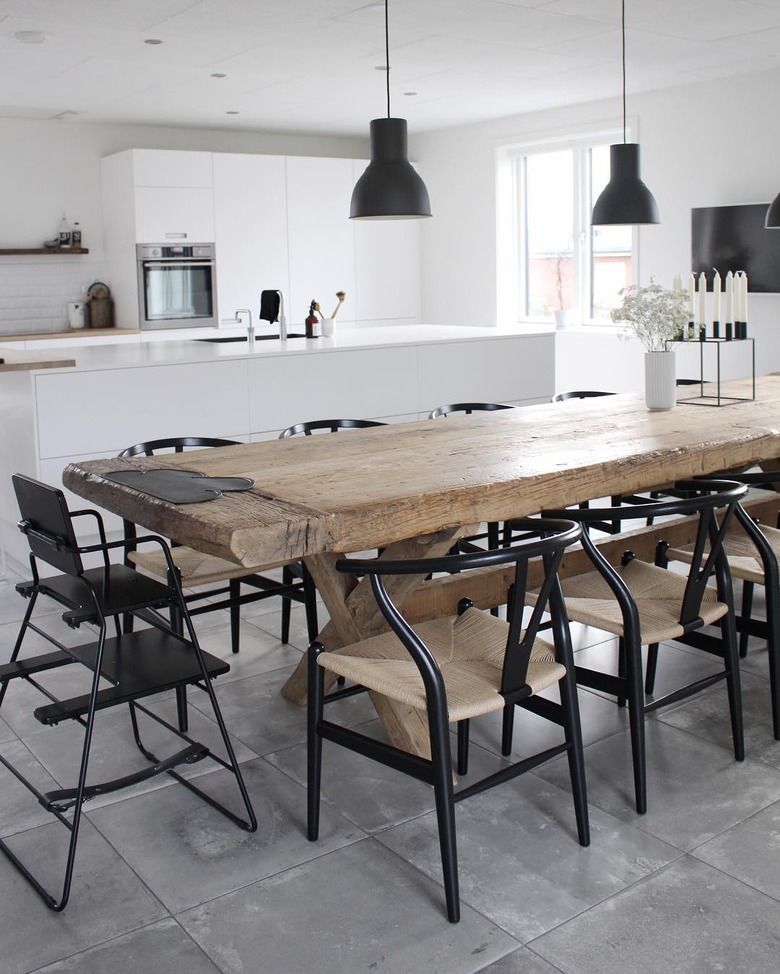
[(250, 330), (282, 318)]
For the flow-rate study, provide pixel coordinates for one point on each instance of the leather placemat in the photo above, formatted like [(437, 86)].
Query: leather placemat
[(179, 486)]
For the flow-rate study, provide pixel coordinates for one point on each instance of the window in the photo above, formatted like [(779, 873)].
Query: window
[(550, 257)]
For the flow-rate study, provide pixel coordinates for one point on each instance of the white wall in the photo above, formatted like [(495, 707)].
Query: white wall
[(50, 166), (702, 145)]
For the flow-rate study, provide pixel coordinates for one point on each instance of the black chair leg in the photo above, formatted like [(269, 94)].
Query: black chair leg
[(652, 666), (636, 722), (621, 701), (733, 685), (571, 727), (463, 746), (234, 593), (507, 730), (746, 613), (287, 578), (314, 742), (445, 812)]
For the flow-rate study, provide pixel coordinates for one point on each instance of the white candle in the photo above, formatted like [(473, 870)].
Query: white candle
[(729, 297), (744, 301), (702, 299), (677, 283), (716, 297), (692, 295)]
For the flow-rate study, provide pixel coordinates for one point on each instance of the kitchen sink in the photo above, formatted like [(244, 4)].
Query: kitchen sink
[(243, 338)]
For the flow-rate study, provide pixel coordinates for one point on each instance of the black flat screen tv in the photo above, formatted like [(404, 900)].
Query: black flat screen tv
[(733, 238)]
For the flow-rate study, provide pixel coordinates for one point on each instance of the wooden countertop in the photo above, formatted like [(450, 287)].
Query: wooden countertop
[(28, 361)]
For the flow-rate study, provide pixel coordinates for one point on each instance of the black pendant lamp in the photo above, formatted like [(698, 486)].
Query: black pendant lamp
[(390, 188), (772, 219), (625, 199)]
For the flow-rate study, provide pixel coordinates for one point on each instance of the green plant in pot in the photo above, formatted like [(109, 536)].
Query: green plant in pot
[(657, 317)]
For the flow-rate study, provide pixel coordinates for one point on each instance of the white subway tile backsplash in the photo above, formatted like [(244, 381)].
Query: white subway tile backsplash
[(35, 293)]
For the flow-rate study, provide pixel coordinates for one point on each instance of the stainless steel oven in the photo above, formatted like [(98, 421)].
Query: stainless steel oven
[(177, 285)]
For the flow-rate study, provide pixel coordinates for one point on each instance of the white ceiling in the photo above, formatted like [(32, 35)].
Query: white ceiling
[(311, 65)]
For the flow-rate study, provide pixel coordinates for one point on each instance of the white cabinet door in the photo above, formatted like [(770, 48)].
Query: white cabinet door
[(168, 167), (170, 214), (250, 214), (387, 267), (321, 237)]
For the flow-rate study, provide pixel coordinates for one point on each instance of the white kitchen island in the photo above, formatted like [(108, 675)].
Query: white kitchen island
[(120, 394)]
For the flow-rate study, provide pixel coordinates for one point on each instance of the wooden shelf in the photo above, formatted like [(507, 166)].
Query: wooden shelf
[(30, 251)]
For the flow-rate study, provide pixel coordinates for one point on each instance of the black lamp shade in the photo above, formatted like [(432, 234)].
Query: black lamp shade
[(390, 188), (772, 220), (625, 199)]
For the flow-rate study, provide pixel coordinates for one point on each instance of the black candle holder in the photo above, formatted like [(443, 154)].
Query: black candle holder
[(709, 390)]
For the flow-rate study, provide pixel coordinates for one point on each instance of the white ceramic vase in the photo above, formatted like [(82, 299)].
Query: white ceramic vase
[(561, 316), (660, 381)]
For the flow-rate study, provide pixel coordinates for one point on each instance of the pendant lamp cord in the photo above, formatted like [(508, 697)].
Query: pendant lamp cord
[(623, 34), (387, 58)]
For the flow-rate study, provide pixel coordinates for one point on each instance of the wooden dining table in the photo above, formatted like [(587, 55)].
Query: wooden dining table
[(413, 488)]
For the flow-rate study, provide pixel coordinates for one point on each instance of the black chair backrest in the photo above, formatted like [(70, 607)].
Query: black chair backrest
[(329, 426), (175, 443), (580, 394), (543, 538), (47, 524), (699, 497), (466, 408)]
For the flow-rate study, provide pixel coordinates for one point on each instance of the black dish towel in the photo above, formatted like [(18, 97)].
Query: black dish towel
[(269, 306)]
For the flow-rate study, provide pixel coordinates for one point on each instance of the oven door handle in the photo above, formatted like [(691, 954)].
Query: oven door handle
[(148, 264)]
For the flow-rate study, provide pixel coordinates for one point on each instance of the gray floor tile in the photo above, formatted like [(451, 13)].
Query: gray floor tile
[(369, 794), (687, 918), (161, 947), (521, 961), (259, 651), (107, 899), (706, 715), (187, 853), (695, 788), (6, 734), (750, 851), (258, 715), (520, 862), (362, 909), (19, 809)]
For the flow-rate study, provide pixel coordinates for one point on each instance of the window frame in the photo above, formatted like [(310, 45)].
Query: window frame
[(511, 228)]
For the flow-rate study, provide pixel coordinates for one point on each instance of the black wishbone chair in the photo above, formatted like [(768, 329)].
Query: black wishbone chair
[(125, 668), (753, 550), (453, 669), (646, 604), (199, 573)]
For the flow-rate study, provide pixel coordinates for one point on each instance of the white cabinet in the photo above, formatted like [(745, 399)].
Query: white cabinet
[(174, 214), (321, 237), (169, 167), (250, 214)]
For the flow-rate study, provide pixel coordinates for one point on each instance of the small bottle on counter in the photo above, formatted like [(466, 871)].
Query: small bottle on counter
[(75, 235), (312, 322), (64, 232)]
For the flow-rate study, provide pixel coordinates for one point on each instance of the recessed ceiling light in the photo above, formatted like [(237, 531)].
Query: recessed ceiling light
[(218, 75), (30, 36), (381, 67), (410, 94), (232, 113), (153, 40)]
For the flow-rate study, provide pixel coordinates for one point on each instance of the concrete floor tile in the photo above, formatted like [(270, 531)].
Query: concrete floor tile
[(750, 851), (520, 862), (521, 961), (688, 918), (187, 853), (107, 899), (695, 788), (161, 947), (362, 909)]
